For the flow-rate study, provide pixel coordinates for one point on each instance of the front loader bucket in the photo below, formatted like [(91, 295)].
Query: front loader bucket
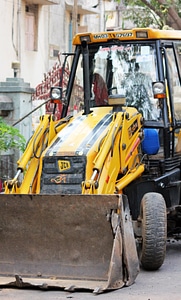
[(66, 241)]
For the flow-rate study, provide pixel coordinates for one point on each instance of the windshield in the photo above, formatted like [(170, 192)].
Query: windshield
[(127, 70)]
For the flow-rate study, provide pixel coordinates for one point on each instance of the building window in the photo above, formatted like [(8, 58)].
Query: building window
[(31, 27)]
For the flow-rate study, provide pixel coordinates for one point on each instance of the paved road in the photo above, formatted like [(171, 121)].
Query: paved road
[(164, 284)]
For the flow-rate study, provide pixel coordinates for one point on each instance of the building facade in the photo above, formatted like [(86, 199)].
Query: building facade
[(33, 32)]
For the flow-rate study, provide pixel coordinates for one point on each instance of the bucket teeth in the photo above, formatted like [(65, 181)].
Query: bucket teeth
[(19, 281), (70, 288)]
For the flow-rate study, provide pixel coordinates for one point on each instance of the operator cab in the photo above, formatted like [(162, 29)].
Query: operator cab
[(137, 68)]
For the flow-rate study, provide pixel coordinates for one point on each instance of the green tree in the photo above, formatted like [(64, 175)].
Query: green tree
[(10, 137), (160, 13)]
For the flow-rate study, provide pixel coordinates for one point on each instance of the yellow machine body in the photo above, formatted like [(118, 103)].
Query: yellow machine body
[(67, 222)]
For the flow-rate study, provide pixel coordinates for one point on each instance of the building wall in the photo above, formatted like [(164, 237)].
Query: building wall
[(52, 31), (8, 34)]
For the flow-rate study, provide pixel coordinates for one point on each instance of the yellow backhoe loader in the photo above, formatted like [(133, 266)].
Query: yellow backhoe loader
[(97, 192)]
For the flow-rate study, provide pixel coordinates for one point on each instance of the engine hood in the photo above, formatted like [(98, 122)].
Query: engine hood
[(82, 134)]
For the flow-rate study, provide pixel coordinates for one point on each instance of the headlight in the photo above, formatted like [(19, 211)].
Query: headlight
[(56, 93), (85, 38), (159, 89)]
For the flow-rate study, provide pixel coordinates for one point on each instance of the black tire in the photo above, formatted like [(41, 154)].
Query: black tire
[(154, 231)]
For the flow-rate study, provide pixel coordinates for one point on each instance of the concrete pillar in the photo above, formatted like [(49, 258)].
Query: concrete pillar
[(15, 103), (20, 93)]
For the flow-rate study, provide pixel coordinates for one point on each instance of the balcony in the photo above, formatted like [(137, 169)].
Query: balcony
[(82, 9), (43, 2)]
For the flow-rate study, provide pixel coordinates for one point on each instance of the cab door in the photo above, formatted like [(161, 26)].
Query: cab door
[(172, 77)]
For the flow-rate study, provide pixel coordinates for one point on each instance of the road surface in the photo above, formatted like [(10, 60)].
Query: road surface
[(164, 284)]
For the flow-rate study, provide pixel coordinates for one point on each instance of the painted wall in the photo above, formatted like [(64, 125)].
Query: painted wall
[(52, 36)]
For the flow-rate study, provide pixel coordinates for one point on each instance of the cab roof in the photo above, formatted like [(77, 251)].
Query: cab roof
[(126, 35)]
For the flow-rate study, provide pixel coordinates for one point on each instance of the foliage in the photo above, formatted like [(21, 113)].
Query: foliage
[(10, 137), (160, 14), (142, 17)]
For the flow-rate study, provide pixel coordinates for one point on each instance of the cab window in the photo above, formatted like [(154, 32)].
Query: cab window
[(127, 70), (174, 62)]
